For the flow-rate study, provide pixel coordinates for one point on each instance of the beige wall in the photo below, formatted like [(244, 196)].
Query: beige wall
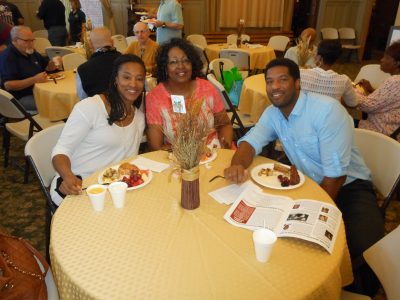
[(397, 21)]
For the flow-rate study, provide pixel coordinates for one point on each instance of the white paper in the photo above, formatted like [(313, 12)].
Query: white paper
[(153, 165), (228, 194), (178, 104), (254, 46)]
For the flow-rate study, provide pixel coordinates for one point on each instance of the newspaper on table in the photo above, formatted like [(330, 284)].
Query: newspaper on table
[(310, 220)]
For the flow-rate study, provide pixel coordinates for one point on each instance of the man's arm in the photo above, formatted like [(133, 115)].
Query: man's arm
[(242, 159), (17, 85), (160, 23), (332, 185)]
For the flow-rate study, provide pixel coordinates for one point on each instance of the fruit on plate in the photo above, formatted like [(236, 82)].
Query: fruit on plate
[(292, 179), (206, 154), (137, 177)]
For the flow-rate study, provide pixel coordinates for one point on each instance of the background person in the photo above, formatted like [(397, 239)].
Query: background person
[(169, 21), (52, 12), (303, 54), (9, 13), (101, 130), (178, 70), (5, 37), (76, 20)]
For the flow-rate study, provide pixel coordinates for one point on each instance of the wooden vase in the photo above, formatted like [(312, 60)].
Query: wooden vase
[(190, 193)]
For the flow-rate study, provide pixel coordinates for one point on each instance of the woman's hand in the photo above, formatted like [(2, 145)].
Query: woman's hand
[(71, 185)]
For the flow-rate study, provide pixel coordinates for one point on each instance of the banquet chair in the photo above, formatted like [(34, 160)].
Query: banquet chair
[(72, 61), (23, 126), (240, 122), (240, 59), (40, 44), (38, 153), (203, 56), (130, 39), (383, 258), (43, 33), (232, 38), (382, 156), (215, 63), (278, 42), (198, 39), (119, 42), (373, 74), (329, 33), (348, 39), (54, 51)]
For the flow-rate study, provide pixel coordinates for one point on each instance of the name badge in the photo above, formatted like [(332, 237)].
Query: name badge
[(178, 104)]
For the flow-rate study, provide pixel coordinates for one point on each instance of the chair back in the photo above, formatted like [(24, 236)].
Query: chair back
[(203, 56), (119, 42), (373, 74), (54, 51), (215, 63), (329, 33), (40, 44), (41, 33), (198, 39), (130, 39), (382, 156), (72, 61), (240, 58), (231, 39), (383, 258), (278, 42), (347, 33), (8, 107)]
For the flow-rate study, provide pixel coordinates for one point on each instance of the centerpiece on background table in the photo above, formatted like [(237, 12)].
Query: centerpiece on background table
[(188, 145), (304, 51), (240, 31)]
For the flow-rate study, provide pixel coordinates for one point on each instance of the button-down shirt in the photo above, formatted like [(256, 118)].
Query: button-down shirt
[(317, 137)]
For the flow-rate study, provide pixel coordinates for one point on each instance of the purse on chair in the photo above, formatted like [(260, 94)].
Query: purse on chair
[(20, 274)]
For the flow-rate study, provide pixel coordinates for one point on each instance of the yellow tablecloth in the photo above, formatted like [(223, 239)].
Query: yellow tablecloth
[(55, 101), (154, 249), (259, 57)]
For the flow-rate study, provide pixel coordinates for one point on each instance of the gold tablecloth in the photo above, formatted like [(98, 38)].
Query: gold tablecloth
[(154, 249), (253, 98), (55, 101), (259, 57)]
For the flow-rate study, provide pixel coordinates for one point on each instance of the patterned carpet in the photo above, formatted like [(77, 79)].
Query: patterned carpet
[(22, 206)]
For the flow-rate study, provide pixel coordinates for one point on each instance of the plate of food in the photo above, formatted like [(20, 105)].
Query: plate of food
[(277, 176), (208, 156), (142, 13), (55, 76), (135, 176)]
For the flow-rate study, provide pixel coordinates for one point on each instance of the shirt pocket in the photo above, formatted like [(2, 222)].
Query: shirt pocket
[(310, 147)]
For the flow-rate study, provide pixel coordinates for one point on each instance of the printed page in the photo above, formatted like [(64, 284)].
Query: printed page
[(313, 221)]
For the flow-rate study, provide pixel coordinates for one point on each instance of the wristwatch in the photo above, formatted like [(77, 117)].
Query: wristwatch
[(163, 25)]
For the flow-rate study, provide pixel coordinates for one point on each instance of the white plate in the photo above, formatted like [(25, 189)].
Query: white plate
[(60, 76), (273, 181), (141, 13), (149, 21), (210, 159), (149, 177)]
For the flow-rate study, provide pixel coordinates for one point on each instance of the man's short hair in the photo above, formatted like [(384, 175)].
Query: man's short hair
[(329, 50), (293, 68)]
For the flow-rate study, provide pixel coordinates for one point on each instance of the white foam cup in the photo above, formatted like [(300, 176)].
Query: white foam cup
[(118, 193), (97, 194), (264, 240)]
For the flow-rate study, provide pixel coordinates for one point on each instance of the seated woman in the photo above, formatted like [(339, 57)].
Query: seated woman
[(323, 80), (178, 70), (383, 104), (101, 130)]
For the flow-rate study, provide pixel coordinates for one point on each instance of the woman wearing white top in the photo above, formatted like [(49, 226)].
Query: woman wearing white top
[(101, 129)]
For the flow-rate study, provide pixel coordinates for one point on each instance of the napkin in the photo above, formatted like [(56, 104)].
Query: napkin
[(254, 46), (229, 194), (153, 165)]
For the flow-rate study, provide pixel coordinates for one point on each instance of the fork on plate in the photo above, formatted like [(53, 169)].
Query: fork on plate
[(215, 177)]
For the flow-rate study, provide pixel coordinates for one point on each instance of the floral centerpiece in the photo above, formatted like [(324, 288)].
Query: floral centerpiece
[(304, 52)]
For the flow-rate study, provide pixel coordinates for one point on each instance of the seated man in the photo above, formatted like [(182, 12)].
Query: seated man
[(21, 66), (317, 135), (144, 47), (304, 53), (93, 76)]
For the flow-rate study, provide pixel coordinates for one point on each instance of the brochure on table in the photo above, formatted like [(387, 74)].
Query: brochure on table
[(310, 220)]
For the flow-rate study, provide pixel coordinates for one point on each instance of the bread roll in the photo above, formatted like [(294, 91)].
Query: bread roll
[(126, 169)]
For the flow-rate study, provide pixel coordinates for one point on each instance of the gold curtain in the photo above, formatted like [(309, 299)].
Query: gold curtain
[(109, 15)]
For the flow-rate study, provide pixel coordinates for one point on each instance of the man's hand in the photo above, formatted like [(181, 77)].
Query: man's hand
[(71, 185), (236, 174), (40, 77)]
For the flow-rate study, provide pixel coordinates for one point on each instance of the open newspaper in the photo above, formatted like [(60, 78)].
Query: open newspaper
[(310, 220)]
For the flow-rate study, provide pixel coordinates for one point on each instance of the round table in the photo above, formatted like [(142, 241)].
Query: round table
[(259, 57), (253, 97), (154, 249)]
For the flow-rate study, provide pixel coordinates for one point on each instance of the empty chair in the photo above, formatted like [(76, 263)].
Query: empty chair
[(54, 51), (348, 38), (279, 42), (240, 59), (130, 39), (215, 66), (38, 153), (240, 122), (72, 61), (40, 44), (329, 33), (382, 156), (41, 33), (198, 39), (232, 38), (119, 42), (373, 74), (203, 56)]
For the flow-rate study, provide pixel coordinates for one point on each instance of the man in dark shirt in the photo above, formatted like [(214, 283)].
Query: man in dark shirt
[(21, 66), (93, 76), (52, 12), (10, 13)]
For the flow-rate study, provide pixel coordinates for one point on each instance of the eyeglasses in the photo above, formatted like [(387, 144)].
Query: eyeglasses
[(140, 31), (176, 62), (26, 40)]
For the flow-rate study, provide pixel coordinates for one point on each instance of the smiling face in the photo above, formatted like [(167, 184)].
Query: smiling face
[(179, 67), (282, 89), (130, 81)]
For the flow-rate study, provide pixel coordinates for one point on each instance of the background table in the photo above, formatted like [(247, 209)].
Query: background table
[(154, 249), (259, 57), (254, 98)]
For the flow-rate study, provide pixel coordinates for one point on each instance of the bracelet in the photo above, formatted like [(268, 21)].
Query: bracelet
[(163, 25)]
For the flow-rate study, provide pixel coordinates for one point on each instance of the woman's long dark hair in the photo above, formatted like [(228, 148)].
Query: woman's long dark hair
[(112, 95), (185, 46)]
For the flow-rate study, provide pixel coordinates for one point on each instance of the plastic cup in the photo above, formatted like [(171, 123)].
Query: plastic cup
[(118, 193), (78, 44), (57, 61), (97, 194), (264, 240)]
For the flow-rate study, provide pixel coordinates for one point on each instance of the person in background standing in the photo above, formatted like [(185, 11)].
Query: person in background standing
[(77, 20), (9, 13), (52, 12), (169, 21)]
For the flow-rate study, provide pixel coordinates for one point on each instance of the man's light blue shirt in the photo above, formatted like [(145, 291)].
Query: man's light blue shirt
[(317, 137), (79, 88), (169, 11)]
